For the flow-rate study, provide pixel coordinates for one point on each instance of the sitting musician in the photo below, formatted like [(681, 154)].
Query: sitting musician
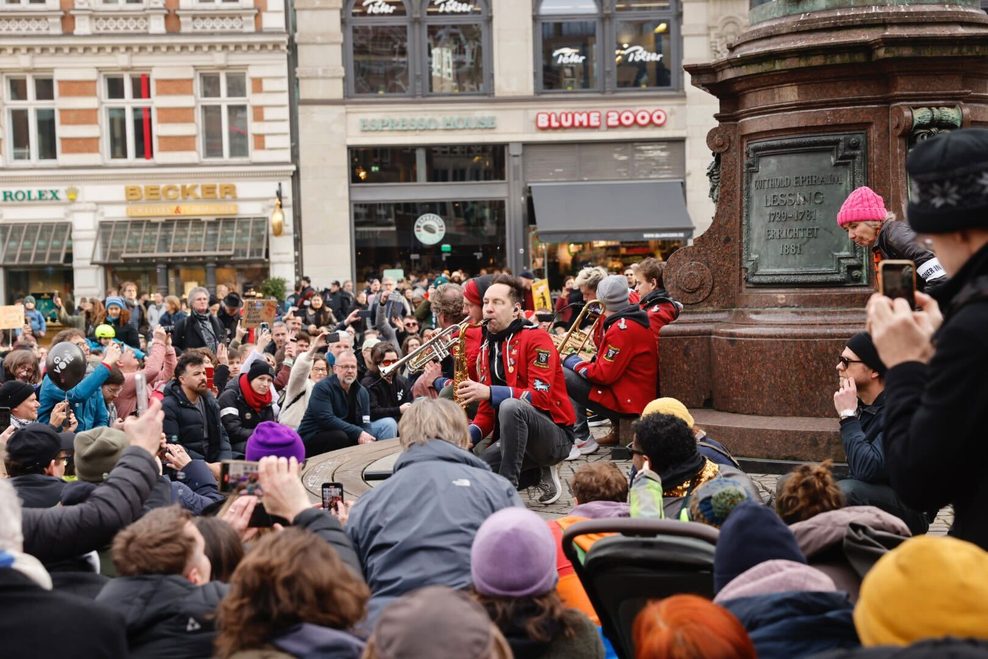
[(621, 379), (521, 394), (655, 301)]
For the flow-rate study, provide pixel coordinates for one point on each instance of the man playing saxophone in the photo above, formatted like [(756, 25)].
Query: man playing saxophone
[(621, 379), (521, 394)]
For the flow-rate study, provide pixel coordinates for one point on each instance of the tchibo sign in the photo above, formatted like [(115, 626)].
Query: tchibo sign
[(600, 119)]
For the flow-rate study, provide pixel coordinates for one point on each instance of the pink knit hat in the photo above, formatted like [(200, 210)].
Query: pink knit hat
[(862, 205)]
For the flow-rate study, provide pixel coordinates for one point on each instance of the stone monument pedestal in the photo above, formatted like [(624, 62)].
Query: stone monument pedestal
[(817, 97)]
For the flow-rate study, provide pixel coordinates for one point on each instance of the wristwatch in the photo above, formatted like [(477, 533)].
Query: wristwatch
[(847, 414)]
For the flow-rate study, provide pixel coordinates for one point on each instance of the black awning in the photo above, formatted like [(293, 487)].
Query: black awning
[(36, 243), (228, 238), (611, 210)]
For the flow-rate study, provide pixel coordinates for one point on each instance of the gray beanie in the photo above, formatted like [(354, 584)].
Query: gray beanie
[(613, 292)]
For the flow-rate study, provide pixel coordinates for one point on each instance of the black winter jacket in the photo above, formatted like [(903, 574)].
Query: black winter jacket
[(386, 398), (38, 490), (166, 615), (896, 240), (936, 413), (239, 419), (38, 622), (188, 333), (203, 439), (53, 534)]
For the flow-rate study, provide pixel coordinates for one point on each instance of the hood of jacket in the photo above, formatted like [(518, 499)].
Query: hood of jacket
[(658, 296), (147, 600), (821, 532), (307, 640), (632, 313), (38, 490), (437, 450), (601, 509), (777, 576)]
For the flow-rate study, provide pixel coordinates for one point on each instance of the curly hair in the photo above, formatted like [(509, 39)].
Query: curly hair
[(288, 578), (542, 618), (665, 439), (599, 481), (808, 490)]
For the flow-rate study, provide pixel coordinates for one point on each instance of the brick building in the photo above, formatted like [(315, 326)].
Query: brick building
[(142, 140)]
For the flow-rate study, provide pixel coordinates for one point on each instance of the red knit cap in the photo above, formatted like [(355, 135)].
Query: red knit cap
[(862, 205)]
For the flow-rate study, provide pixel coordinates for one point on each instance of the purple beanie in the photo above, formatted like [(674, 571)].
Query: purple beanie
[(513, 555), (270, 438)]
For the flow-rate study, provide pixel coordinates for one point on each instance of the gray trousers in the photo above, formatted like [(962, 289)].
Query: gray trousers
[(528, 439), (579, 389), (859, 493)]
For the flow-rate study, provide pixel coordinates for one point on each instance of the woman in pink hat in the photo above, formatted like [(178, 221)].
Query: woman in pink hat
[(869, 224)]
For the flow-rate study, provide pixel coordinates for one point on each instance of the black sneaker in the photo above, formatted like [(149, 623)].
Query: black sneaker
[(549, 486)]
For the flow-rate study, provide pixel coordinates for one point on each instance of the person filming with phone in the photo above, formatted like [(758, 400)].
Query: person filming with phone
[(936, 388)]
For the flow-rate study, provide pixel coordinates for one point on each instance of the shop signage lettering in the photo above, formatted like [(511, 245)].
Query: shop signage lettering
[(31, 195), (600, 119), (428, 123), (568, 56), (193, 191), (181, 210), (635, 54), (377, 7), (452, 7)]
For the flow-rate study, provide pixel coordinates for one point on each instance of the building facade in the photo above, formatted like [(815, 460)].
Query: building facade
[(539, 134), (142, 140)]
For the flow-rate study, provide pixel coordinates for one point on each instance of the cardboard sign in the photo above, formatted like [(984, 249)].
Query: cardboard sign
[(540, 294), (259, 311), (395, 274), (12, 316)]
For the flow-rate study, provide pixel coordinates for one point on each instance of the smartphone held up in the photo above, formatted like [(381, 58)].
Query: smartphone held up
[(897, 278)]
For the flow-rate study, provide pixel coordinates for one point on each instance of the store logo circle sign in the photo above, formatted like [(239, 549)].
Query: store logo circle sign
[(429, 229), (602, 119)]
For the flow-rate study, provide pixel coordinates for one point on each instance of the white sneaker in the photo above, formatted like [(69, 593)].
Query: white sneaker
[(574, 454), (594, 420), (587, 446)]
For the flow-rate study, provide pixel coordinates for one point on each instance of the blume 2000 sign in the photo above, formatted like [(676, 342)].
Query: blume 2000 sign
[(600, 119)]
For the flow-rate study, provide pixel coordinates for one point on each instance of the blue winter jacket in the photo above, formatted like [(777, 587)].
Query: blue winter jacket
[(862, 439), (416, 528), (86, 399), (797, 623), (329, 409)]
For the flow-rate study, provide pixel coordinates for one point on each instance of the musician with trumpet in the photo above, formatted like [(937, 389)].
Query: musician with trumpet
[(621, 378), (521, 395)]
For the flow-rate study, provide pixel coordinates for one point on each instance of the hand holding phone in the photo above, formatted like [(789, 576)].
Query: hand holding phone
[(332, 496)]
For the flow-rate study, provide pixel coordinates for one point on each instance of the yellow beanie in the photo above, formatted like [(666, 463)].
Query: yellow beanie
[(669, 406), (928, 587)]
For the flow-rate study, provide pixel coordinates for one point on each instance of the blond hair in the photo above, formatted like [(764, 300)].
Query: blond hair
[(429, 419), (590, 276)]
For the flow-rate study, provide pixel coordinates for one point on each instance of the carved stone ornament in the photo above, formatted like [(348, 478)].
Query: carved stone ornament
[(930, 122), (725, 34)]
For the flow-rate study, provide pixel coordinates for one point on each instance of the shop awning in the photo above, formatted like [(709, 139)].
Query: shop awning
[(611, 210), (35, 243), (228, 238)]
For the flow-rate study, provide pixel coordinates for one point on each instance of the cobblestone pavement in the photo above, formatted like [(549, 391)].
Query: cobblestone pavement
[(764, 482)]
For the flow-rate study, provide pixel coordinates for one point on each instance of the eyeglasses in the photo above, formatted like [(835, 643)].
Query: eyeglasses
[(634, 450), (847, 362)]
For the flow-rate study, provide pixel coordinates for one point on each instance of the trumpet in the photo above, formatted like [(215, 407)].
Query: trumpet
[(438, 348), (576, 339)]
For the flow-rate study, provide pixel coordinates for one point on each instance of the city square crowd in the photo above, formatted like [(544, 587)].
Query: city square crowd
[(119, 536)]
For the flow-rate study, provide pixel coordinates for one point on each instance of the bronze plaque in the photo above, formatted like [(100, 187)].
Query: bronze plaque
[(793, 188)]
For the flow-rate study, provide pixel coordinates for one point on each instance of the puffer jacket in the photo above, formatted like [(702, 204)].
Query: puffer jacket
[(203, 439), (416, 528), (86, 399), (166, 615), (896, 240), (239, 419)]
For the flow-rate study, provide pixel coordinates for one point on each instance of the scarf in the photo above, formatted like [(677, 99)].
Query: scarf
[(254, 400), (208, 335), (494, 341), (680, 479)]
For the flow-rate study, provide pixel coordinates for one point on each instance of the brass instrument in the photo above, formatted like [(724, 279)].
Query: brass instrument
[(575, 340), (435, 349), (461, 372)]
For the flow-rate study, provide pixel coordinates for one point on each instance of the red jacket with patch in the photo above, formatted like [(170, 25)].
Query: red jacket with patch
[(626, 367), (532, 372)]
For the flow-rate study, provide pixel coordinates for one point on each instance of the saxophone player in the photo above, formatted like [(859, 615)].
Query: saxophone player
[(521, 395), (621, 379)]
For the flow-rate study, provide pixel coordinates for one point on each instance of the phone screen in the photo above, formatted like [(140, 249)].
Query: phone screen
[(4, 418), (239, 476), (898, 279), (210, 371), (332, 496)]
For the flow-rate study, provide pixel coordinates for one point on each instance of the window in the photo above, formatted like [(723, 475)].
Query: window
[(128, 116), (573, 38), (28, 3), (427, 164), (223, 104), (431, 47), (31, 118)]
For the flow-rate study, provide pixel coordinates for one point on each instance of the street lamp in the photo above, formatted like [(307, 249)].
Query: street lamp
[(277, 215)]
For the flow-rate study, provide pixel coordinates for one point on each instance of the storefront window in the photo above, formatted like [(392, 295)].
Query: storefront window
[(433, 164), (427, 47), (423, 236), (573, 34)]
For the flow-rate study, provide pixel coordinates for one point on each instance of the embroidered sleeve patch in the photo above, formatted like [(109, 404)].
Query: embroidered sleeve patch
[(540, 385), (611, 353), (541, 358)]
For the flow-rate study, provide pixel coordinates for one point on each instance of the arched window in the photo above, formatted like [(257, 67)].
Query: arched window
[(574, 38), (432, 47)]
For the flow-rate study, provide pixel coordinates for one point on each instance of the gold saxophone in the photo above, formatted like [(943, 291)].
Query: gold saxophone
[(460, 370)]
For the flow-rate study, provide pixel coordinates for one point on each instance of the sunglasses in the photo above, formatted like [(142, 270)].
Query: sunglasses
[(388, 362), (847, 362)]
